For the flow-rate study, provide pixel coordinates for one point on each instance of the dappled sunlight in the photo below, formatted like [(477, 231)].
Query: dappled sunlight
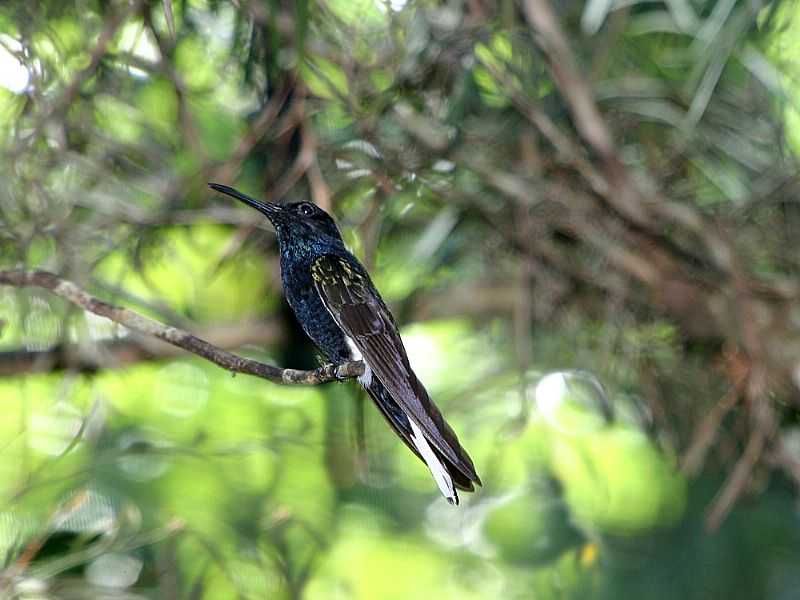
[(112, 570), (53, 432), (397, 567), (604, 484), (14, 76), (447, 354), (599, 462), (572, 402), (143, 455), (41, 326), (181, 389)]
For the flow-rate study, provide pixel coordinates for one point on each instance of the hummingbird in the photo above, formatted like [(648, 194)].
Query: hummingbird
[(339, 308)]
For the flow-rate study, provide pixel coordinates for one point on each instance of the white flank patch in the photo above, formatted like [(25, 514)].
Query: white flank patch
[(366, 378), (355, 354), (440, 474)]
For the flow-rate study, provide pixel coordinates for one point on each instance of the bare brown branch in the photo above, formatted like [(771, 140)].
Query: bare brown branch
[(762, 430), (706, 432), (177, 337), (88, 358), (578, 95), (620, 191)]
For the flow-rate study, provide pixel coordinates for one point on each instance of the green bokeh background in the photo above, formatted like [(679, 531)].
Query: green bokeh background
[(214, 486)]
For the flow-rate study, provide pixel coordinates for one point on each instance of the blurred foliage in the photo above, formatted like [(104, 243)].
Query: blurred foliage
[(128, 473)]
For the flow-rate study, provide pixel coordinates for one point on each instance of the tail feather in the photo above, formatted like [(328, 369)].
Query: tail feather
[(448, 476), (439, 472)]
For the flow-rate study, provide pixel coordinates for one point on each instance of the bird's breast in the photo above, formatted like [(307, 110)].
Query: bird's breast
[(314, 318)]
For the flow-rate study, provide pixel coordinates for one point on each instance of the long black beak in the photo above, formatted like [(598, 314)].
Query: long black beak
[(268, 208)]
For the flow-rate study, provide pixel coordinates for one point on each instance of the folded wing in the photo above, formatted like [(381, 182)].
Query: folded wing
[(349, 296)]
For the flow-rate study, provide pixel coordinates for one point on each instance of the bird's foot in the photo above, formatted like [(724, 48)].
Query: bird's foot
[(340, 371), (348, 370), (344, 372), (328, 371)]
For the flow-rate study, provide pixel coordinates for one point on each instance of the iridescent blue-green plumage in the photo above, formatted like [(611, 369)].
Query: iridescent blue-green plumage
[(339, 308)]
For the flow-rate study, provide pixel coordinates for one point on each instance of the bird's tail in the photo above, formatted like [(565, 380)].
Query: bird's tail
[(447, 475)]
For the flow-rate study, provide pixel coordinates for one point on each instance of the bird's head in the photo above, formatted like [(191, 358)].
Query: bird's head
[(292, 221)]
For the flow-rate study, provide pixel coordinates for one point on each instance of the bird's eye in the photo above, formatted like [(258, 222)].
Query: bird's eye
[(306, 209)]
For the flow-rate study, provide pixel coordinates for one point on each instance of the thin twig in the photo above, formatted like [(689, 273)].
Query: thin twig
[(177, 337), (305, 157), (578, 94), (258, 129), (762, 430), (621, 193), (707, 431)]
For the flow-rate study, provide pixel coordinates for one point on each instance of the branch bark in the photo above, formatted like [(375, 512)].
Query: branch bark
[(620, 190), (177, 337), (578, 95), (135, 348)]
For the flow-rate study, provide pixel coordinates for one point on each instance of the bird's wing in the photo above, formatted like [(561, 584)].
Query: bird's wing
[(348, 294)]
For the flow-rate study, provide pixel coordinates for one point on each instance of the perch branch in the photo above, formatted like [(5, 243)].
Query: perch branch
[(177, 337), (117, 353)]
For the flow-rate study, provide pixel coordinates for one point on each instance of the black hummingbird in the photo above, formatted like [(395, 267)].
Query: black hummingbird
[(339, 308)]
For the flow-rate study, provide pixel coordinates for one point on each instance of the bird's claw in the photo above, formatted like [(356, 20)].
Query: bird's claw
[(340, 372), (332, 371), (337, 372)]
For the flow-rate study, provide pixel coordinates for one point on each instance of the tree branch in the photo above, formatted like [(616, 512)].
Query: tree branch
[(621, 191), (177, 337), (578, 95), (117, 353)]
